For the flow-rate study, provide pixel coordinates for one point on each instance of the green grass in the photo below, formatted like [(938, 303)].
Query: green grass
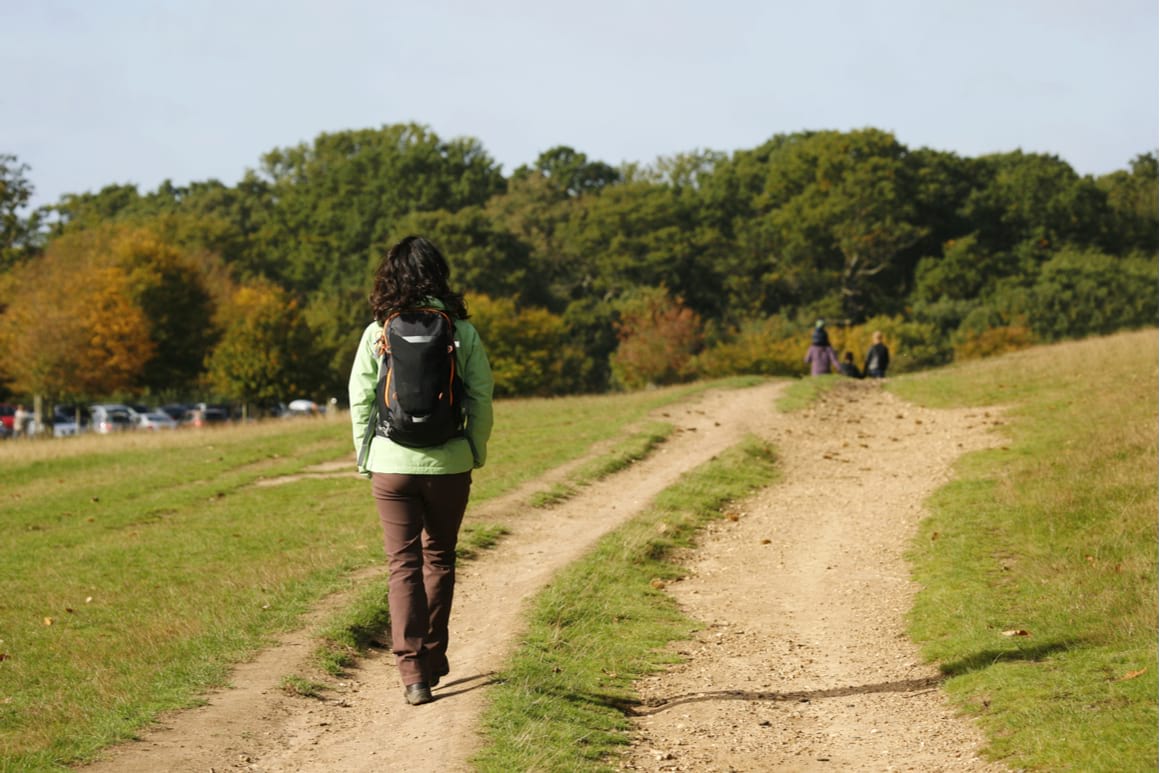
[(304, 688), (1055, 534), (631, 449), (601, 624), (803, 392), (136, 571)]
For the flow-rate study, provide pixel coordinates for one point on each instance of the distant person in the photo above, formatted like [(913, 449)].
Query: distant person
[(820, 355), (848, 367), (22, 420), (877, 358), (420, 491)]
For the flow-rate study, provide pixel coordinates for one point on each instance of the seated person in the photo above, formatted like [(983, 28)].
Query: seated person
[(848, 368)]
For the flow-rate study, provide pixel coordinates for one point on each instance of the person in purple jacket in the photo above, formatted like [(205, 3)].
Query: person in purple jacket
[(821, 356)]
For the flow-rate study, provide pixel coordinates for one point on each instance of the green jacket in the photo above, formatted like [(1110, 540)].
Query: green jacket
[(456, 455)]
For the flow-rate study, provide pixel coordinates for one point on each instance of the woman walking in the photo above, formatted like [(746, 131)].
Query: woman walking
[(420, 492)]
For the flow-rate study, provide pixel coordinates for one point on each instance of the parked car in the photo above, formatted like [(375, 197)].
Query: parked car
[(8, 416), (155, 420), (303, 408), (175, 411), (205, 417), (112, 417), (61, 425), (70, 412)]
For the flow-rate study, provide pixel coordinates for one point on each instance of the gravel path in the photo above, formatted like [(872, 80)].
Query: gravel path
[(803, 663)]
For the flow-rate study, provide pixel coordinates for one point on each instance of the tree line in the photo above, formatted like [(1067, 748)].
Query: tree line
[(581, 276)]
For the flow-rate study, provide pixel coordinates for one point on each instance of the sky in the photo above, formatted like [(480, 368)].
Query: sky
[(140, 91)]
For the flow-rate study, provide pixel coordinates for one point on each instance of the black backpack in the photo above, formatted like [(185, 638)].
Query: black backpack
[(419, 395)]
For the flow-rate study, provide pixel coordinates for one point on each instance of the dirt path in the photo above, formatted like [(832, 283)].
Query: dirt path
[(802, 664)]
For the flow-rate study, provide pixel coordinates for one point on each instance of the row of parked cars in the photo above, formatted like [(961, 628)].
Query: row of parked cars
[(105, 418)]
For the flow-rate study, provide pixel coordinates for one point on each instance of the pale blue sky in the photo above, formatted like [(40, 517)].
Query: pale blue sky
[(137, 91)]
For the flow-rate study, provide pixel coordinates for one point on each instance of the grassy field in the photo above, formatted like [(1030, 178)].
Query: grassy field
[(135, 570), (1051, 540)]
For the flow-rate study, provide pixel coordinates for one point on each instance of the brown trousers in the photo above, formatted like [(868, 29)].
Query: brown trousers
[(421, 515)]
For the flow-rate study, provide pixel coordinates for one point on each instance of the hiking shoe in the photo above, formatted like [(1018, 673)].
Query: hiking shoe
[(418, 694)]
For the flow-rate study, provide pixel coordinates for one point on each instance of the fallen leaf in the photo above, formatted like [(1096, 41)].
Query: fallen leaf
[(657, 583), (88, 599), (48, 621), (933, 536), (766, 541), (1017, 632), (1132, 675)]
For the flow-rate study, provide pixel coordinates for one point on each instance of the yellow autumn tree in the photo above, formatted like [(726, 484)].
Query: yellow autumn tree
[(71, 331), (177, 291), (265, 353), (528, 348)]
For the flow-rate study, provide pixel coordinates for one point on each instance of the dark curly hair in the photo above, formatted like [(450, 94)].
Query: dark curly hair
[(411, 272)]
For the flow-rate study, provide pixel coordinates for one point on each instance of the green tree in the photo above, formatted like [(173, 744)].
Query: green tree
[(1084, 292), (1133, 199), (335, 200), (569, 172), (822, 215), (336, 317), (485, 256), (965, 271), (1036, 199), (19, 233), (89, 210), (641, 234), (265, 351), (536, 213)]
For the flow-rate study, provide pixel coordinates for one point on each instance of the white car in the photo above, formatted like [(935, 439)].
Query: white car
[(155, 420), (303, 408), (111, 417)]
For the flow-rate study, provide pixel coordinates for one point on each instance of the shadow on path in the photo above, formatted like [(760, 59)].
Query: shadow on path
[(913, 686)]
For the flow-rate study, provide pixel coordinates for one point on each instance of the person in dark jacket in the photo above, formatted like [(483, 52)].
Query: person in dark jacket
[(877, 358), (848, 367)]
